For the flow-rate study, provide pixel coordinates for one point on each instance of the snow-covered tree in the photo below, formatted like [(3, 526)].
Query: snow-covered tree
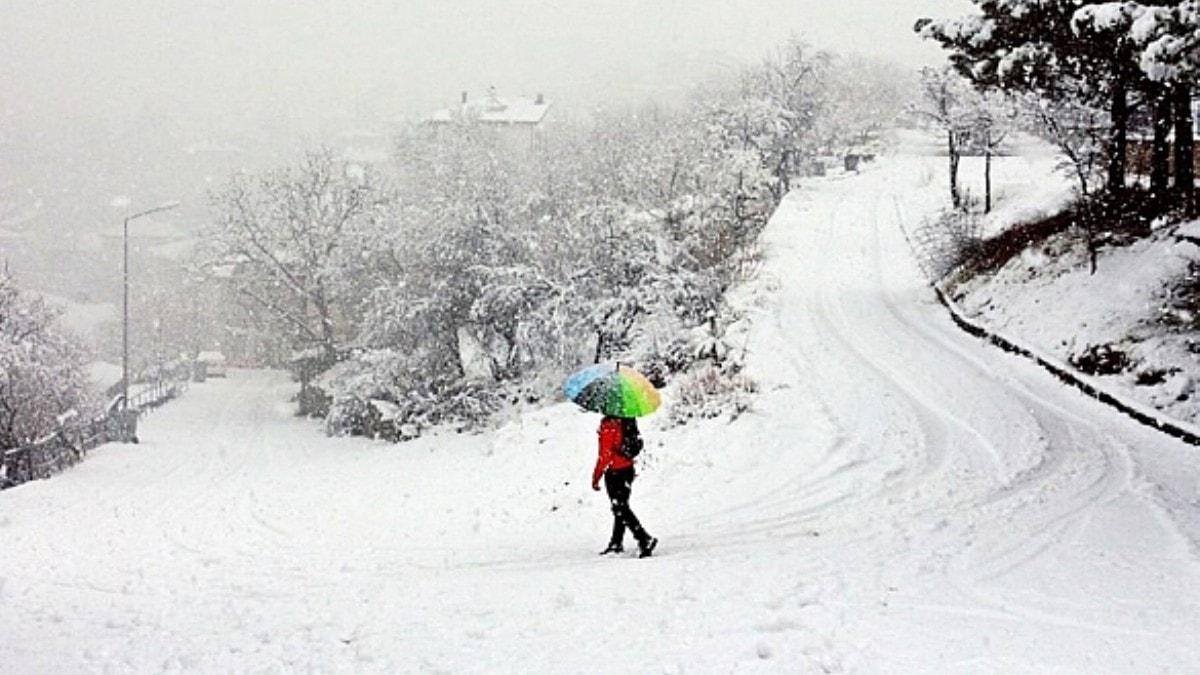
[(460, 216), (42, 369), (945, 104), (1077, 130), (1040, 46), (1168, 37), (282, 235), (863, 98), (991, 116), (1116, 55), (779, 108)]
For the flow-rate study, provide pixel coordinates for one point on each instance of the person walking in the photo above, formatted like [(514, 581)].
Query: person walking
[(620, 443)]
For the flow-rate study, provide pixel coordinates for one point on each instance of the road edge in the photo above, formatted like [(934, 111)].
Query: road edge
[(1143, 414)]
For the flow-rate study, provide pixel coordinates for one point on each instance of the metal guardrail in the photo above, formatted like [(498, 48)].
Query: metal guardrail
[(75, 437)]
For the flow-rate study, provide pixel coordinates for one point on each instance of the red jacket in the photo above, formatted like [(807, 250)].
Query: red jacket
[(610, 453)]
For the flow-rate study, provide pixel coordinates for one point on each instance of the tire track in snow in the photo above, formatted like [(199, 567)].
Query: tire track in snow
[(1084, 448), (1081, 491), (1074, 470)]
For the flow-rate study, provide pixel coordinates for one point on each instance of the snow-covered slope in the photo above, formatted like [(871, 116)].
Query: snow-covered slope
[(1048, 297), (902, 498), (1056, 303)]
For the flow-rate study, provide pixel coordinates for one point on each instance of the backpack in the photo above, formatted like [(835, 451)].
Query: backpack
[(631, 438)]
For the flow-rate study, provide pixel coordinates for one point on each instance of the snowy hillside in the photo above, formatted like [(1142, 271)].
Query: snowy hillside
[(902, 498), (1048, 297)]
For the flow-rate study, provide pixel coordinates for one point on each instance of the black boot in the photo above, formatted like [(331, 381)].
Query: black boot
[(613, 548), (646, 547), (616, 541)]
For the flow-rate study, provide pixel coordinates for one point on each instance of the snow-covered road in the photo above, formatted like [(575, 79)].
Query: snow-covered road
[(901, 499)]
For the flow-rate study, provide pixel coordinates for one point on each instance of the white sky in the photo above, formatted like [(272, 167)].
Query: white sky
[(100, 98), (297, 63)]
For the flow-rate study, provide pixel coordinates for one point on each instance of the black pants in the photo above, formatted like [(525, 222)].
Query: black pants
[(619, 484)]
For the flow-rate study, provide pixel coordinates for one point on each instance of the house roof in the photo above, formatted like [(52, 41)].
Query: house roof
[(495, 110)]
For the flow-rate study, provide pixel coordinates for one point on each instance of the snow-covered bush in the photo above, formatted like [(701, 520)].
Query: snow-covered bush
[(944, 243), (42, 368), (711, 391), (413, 397), (1181, 302)]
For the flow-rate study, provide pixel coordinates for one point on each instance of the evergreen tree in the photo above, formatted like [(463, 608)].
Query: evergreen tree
[(1168, 39), (1051, 48)]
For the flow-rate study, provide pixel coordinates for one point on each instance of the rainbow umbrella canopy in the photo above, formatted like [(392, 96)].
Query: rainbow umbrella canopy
[(613, 389)]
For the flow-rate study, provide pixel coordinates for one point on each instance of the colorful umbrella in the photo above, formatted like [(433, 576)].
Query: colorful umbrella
[(613, 389)]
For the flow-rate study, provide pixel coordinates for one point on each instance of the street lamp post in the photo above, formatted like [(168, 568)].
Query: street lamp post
[(125, 299)]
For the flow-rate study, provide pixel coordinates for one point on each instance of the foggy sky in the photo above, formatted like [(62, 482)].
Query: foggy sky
[(302, 64), (161, 100)]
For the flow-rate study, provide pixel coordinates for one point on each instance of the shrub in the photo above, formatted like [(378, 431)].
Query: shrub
[(710, 391), (945, 243), (414, 397), (1100, 360), (1154, 376), (1181, 304)]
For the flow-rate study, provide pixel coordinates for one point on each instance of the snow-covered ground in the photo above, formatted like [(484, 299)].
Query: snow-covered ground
[(902, 498), (1049, 298), (1025, 185)]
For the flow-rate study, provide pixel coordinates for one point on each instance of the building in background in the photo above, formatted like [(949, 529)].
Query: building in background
[(518, 120)]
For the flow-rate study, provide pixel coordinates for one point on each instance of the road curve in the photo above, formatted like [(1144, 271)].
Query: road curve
[(994, 493)]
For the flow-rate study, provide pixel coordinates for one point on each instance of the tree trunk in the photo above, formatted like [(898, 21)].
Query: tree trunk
[(952, 152), (1161, 149), (1119, 116), (987, 173), (328, 342), (1185, 170), (785, 181), (1087, 217)]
